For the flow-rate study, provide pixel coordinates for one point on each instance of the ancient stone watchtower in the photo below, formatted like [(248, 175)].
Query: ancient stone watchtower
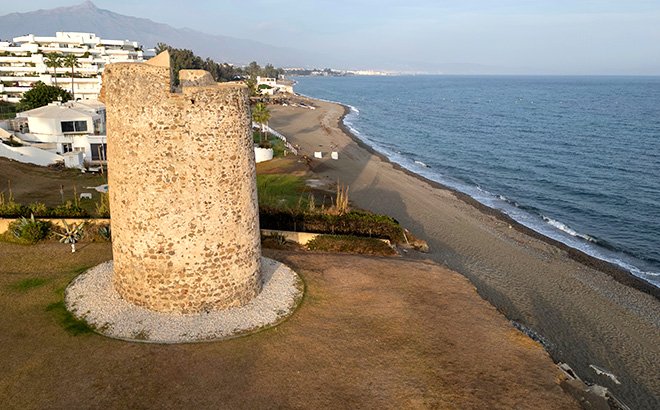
[(182, 189)]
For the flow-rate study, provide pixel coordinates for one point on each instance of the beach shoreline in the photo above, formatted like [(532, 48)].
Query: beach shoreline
[(618, 273), (583, 310)]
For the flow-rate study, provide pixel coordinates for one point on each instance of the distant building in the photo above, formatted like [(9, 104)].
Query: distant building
[(22, 62), (266, 85), (272, 86), (285, 86), (65, 127)]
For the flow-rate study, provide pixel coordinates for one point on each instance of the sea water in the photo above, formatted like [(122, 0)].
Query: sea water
[(574, 158)]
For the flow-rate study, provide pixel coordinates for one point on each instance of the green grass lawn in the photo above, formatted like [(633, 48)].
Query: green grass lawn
[(282, 191)]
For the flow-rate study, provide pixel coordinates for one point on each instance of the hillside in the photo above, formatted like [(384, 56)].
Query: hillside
[(86, 17)]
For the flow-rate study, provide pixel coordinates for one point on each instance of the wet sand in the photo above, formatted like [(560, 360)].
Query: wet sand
[(576, 307)]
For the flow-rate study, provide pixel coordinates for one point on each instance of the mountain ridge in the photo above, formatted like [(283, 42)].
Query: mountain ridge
[(87, 17)]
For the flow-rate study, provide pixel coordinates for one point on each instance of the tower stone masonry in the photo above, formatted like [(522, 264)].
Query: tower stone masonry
[(183, 198)]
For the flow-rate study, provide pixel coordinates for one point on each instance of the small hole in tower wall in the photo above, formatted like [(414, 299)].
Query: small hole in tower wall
[(192, 101)]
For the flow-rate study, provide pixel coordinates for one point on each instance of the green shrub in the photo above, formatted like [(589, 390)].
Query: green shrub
[(39, 209), (103, 206), (69, 210), (29, 230), (91, 231), (11, 209), (356, 223), (350, 244), (41, 94), (105, 232), (71, 234), (278, 147)]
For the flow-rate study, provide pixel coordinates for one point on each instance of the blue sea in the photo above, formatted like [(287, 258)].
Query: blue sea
[(574, 158)]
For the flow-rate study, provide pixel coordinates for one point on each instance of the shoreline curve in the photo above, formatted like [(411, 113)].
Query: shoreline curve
[(618, 273)]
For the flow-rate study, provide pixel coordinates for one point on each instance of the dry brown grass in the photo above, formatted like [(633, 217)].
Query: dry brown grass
[(31, 183), (50, 258), (341, 199), (371, 332), (351, 244), (290, 164)]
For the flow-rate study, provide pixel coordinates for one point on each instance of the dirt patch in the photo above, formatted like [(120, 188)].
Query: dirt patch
[(351, 244), (371, 332), (32, 183), (290, 164)]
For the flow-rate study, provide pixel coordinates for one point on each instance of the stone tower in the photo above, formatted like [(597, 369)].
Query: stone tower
[(183, 193)]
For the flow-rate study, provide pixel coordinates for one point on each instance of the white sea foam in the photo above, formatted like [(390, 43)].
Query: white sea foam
[(565, 228), (548, 227), (605, 372)]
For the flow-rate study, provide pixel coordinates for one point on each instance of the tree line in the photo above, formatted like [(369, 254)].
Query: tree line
[(182, 59)]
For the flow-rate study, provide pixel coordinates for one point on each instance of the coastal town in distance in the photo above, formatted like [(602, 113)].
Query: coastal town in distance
[(422, 205)]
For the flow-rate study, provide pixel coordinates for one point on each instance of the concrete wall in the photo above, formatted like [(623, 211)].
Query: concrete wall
[(53, 126), (47, 126), (262, 154), (183, 198)]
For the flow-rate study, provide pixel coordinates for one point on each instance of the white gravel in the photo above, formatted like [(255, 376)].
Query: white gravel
[(92, 298)]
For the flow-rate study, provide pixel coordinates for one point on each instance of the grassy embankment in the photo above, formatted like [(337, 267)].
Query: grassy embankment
[(286, 202)]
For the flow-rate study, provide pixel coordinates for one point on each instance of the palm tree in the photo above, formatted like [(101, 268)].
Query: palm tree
[(71, 60), (261, 115), (54, 61)]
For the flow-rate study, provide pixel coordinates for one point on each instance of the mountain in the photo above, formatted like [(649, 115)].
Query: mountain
[(88, 18)]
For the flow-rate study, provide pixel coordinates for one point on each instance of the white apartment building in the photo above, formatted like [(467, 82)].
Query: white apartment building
[(65, 127), (22, 62)]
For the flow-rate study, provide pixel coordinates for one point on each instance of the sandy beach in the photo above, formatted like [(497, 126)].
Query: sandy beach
[(584, 313)]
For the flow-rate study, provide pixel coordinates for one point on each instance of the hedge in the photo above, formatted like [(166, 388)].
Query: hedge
[(66, 210), (357, 223)]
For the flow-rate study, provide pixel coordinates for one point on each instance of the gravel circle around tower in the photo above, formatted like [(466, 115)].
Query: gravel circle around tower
[(92, 297)]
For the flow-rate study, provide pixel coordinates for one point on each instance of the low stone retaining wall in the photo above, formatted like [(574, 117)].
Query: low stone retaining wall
[(298, 237)]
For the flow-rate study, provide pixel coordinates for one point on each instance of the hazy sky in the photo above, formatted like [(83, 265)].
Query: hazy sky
[(532, 36)]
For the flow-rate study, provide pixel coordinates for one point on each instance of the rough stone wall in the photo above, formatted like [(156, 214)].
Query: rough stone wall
[(183, 193)]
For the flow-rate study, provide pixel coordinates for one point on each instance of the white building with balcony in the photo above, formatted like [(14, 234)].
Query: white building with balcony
[(22, 62), (62, 128), (272, 86)]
